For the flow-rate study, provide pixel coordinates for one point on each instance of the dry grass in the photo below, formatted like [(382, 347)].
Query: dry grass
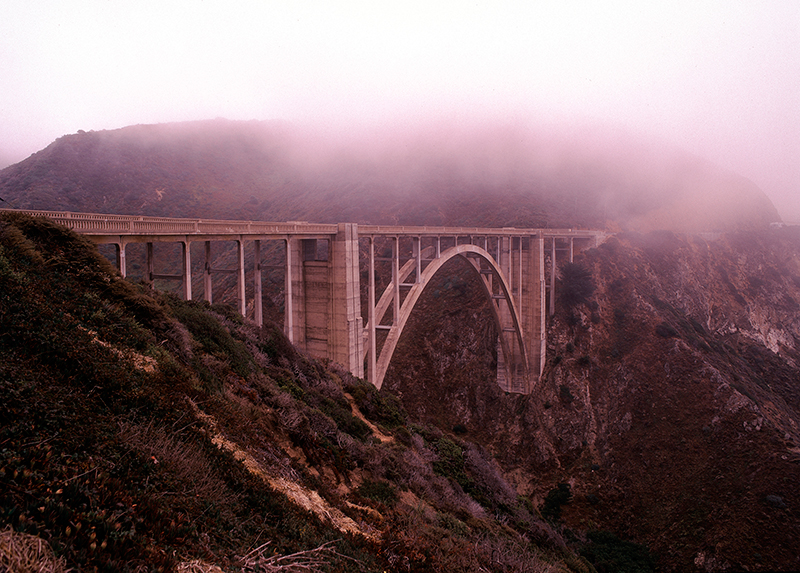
[(197, 566), (307, 499), (310, 561), (182, 457), (23, 553)]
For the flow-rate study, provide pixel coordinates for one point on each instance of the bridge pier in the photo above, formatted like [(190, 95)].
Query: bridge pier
[(122, 265), (323, 301), (258, 310), (240, 292), (186, 255), (553, 277), (372, 358), (524, 266), (149, 264), (208, 287)]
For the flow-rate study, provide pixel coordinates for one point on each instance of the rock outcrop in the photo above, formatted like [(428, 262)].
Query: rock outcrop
[(670, 401)]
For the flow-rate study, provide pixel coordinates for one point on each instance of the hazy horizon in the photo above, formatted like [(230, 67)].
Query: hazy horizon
[(718, 79)]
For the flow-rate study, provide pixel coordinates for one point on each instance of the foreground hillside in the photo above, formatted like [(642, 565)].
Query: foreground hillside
[(142, 433), (670, 402), (446, 174)]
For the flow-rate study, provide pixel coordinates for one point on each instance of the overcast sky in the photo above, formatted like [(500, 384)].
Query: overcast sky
[(720, 79)]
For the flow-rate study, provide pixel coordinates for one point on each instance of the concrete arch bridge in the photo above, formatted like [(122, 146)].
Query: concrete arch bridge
[(323, 295)]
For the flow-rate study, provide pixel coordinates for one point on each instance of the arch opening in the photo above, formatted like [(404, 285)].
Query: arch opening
[(495, 287)]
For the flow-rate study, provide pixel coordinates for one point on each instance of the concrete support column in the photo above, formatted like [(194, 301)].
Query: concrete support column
[(396, 278), (521, 275), (506, 259), (297, 273), (571, 249), (373, 342), (258, 310), (533, 306), (240, 277), (291, 274), (345, 342), (149, 272), (120, 255), (505, 343), (417, 251), (553, 277), (208, 294), (187, 269)]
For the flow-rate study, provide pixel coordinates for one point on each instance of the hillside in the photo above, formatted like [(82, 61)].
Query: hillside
[(447, 174), (142, 433), (670, 401), (667, 417)]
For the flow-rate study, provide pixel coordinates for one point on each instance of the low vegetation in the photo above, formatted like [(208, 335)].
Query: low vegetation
[(139, 432)]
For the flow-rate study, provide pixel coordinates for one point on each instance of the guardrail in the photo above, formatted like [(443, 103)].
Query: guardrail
[(110, 224), (366, 230)]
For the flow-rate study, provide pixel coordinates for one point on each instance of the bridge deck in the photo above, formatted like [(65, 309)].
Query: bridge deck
[(99, 224)]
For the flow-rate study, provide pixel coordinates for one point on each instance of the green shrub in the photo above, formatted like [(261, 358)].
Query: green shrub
[(380, 407), (565, 394), (576, 284), (451, 463), (556, 497), (380, 491), (452, 523), (608, 553), (212, 335), (664, 330), (345, 419)]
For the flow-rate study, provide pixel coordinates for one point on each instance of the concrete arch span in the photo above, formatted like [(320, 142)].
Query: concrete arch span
[(496, 287)]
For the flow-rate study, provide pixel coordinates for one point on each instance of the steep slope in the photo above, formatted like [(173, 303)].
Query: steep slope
[(489, 175), (670, 401), (142, 433)]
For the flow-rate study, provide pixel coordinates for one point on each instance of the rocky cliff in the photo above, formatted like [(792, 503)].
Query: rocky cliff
[(670, 401)]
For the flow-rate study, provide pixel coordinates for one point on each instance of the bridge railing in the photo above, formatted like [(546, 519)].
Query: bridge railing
[(95, 223), (366, 230), (111, 224)]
